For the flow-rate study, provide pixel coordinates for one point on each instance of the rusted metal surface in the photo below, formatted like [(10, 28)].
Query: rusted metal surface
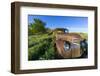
[(74, 40), (68, 37)]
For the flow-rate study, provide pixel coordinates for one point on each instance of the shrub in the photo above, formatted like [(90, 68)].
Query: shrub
[(37, 51)]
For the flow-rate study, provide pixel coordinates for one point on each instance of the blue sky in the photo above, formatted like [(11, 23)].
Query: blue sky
[(74, 24)]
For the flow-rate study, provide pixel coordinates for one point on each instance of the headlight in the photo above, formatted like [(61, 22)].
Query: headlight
[(66, 46)]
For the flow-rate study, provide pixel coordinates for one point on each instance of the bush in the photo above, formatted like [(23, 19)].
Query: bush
[(49, 53), (37, 51)]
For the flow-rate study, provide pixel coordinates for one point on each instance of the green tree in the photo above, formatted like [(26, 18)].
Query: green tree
[(30, 32), (38, 26)]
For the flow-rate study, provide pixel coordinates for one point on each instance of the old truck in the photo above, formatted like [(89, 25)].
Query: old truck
[(69, 45)]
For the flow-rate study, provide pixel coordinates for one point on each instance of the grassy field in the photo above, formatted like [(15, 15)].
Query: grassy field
[(83, 35)]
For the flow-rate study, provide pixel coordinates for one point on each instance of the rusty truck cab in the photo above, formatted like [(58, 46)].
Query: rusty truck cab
[(67, 44)]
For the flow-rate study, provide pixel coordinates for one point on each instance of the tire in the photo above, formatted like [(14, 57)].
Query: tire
[(84, 47)]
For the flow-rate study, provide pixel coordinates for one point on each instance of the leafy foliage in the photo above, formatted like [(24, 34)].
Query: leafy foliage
[(36, 27), (43, 47)]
